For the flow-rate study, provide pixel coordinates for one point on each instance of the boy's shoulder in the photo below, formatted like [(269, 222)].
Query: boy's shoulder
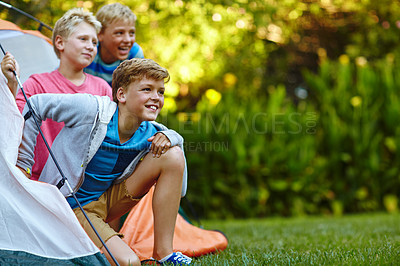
[(157, 125), (44, 75), (42, 79), (136, 51)]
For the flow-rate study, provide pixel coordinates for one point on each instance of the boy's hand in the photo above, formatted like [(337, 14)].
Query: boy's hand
[(8, 65), (160, 144)]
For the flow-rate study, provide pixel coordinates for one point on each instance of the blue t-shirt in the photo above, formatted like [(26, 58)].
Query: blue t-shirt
[(100, 69), (111, 160)]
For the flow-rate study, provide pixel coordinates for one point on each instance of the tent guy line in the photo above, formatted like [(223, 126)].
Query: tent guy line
[(64, 180)]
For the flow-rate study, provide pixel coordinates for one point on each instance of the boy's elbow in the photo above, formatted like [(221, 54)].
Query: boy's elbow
[(180, 139)]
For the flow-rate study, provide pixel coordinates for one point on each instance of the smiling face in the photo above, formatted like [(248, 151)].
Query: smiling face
[(80, 47), (142, 100), (116, 41)]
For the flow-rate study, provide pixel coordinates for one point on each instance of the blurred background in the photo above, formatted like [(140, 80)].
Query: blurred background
[(287, 107)]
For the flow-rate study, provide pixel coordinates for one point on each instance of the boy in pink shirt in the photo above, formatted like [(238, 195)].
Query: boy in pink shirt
[(75, 43)]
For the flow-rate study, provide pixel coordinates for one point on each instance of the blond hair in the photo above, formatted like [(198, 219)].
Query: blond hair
[(107, 14), (66, 25), (136, 69)]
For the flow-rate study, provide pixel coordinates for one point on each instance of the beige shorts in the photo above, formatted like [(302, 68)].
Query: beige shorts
[(117, 199)]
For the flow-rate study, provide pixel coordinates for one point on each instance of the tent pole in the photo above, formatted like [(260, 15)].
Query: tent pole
[(41, 24)]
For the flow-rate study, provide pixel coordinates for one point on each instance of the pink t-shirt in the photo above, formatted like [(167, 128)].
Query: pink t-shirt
[(55, 82)]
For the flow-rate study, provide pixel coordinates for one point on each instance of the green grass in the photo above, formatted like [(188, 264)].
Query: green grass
[(366, 239)]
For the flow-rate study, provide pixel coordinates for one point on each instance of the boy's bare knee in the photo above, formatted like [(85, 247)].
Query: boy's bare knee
[(175, 156), (175, 151)]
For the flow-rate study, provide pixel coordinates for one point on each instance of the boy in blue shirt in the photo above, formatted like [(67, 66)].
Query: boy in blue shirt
[(116, 40), (112, 153)]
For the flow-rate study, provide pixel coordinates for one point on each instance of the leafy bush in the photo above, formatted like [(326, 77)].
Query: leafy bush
[(359, 114), (334, 152)]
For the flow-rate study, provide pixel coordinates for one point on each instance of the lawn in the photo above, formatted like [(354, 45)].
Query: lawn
[(363, 239)]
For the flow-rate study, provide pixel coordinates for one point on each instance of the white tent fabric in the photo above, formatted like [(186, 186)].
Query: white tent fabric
[(34, 216), (34, 54)]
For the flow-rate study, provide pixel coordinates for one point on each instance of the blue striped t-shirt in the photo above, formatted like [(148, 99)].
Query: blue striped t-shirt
[(111, 160)]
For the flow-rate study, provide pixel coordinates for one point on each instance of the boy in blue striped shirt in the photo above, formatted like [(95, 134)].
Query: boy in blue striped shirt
[(116, 40)]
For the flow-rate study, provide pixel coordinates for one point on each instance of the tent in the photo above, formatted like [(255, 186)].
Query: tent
[(33, 51), (36, 223), (38, 57)]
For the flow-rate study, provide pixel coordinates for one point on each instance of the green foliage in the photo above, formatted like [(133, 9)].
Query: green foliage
[(358, 132), (369, 239)]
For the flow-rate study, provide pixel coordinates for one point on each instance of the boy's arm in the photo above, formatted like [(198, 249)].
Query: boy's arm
[(72, 109), (161, 141), (173, 136), (159, 144)]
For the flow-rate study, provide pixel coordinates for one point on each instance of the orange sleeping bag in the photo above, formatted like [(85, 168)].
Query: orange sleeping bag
[(188, 239)]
